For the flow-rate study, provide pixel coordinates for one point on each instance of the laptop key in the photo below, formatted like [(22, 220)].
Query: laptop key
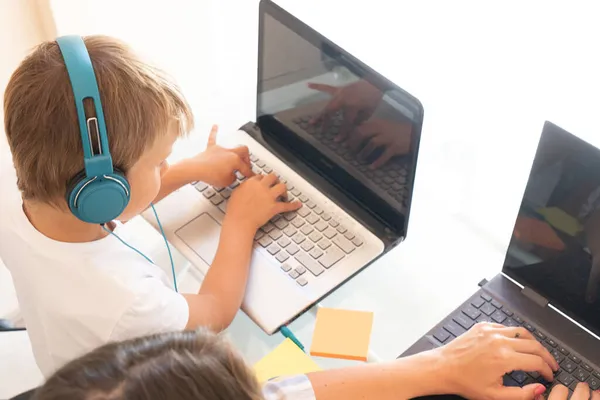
[(325, 216), (486, 297), (223, 207), (307, 229), (296, 192), (265, 241), (273, 249), (529, 327), (587, 367), (208, 193), (324, 244), (563, 350), (594, 382), (519, 319), (498, 316), (565, 378), (343, 244), (496, 304), (201, 186), (329, 233), (463, 321), (286, 267), (311, 204), (477, 302), (298, 222), (298, 238), (321, 226), (581, 374), (259, 234), (292, 249), (454, 328), (303, 198), (471, 312), (316, 252), (333, 223), (281, 223), (234, 185), (302, 281), (303, 211), (290, 231), (282, 256), (510, 322), (284, 242), (216, 199), (441, 335), (341, 229), (551, 342), (310, 264), (315, 236), (318, 210), (331, 256), (268, 227), (557, 355), (596, 374), (300, 269), (275, 234), (507, 312), (357, 241), (307, 245), (488, 309), (539, 335), (349, 235), (226, 193), (290, 215), (293, 274), (260, 163), (575, 359), (568, 365), (312, 219), (519, 376)]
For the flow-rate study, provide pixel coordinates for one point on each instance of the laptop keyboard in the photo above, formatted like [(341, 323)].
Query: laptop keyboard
[(390, 178), (307, 242), (483, 308)]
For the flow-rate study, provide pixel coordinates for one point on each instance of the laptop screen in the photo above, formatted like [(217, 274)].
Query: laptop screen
[(555, 246), (353, 126)]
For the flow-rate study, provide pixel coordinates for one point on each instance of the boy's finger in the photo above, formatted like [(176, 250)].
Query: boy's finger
[(279, 190), (270, 180), (322, 87), (245, 168), (283, 207), (212, 136), (242, 151)]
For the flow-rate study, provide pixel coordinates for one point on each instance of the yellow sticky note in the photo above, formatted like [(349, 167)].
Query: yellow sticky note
[(342, 334), (287, 359), (561, 220)]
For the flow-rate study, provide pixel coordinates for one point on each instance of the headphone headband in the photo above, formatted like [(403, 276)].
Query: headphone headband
[(84, 85)]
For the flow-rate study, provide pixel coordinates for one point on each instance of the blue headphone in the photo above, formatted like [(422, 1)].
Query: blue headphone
[(100, 192)]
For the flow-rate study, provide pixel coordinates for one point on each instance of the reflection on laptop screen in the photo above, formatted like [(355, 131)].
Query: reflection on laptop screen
[(366, 129), (555, 247)]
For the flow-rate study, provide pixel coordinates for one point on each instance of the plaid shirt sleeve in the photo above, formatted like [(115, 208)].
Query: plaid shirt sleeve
[(292, 388)]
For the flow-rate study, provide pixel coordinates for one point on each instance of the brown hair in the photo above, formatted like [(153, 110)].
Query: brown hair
[(175, 366), (140, 104)]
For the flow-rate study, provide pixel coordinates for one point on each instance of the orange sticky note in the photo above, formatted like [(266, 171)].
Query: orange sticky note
[(342, 334)]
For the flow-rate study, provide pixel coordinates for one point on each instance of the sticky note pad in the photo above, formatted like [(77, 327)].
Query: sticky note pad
[(561, 220), (287, 359), (342, 334)]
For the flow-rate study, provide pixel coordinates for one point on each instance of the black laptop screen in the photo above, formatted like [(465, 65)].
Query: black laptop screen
[(555, 246), (346, 121)]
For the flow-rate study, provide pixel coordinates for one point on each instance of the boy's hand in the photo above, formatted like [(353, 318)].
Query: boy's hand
[(217, 165), (257, 200)]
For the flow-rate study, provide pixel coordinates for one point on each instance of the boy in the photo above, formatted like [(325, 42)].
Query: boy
[(78, 286)]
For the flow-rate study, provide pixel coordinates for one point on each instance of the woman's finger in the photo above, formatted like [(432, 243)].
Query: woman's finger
[(212, 136), (560, 392), (533, 347), (527, 362), (582, 392)]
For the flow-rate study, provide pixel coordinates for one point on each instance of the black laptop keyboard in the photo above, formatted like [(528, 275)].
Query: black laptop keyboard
[(483, 308)]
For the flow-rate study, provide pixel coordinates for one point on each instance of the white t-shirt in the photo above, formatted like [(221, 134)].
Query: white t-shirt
[(77, 296)]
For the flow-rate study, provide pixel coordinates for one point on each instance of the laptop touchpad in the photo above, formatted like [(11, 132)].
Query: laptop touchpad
[(202, 236)]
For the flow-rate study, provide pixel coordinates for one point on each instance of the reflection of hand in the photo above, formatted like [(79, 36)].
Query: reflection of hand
[(582, 392), (393, 137), (357, 100), (475, 362), (534, 231), (592, 232)]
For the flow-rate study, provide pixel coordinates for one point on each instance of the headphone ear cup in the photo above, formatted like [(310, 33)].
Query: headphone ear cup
[(99, 199), (72, 184)]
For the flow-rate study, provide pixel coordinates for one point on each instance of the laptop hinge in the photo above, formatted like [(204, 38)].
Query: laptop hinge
[(534, 296)]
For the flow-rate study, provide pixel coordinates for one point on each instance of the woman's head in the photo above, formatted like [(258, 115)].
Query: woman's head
[(177, 366)]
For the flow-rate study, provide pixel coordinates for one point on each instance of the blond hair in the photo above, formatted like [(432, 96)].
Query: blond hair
[(140, 104), (168, 366)]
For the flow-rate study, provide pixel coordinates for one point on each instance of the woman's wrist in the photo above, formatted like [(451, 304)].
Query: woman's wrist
[(433, 373)]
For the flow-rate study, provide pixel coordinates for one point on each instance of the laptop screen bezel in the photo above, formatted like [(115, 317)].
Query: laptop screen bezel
[(267, 7), (547, 128)]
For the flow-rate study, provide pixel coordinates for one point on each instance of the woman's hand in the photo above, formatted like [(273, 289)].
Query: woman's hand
[(582, 392), (475, 363), (217, 165)]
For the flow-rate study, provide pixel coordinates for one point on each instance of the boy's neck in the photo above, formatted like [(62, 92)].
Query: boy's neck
[(60, 225)]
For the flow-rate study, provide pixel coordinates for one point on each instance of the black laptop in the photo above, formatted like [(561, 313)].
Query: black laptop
[(550, 281)]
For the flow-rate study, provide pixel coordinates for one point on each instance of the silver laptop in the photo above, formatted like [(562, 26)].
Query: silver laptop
[(550, 283), (351, 215)]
